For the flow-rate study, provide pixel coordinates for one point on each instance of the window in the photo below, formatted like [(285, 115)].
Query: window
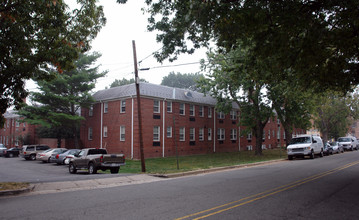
[(105, 131), (191, 110), (156, 106), (201, 134), (169, 106), (17, 123), (233, 134), (209, 112), (201, 113), (156, 133), (169, 131), (278, 134), (249, 136), (264, 135), (192, 136), (122, 133), (123, 106), (220, 134), (182, 134), (268, 134), (105, 107), (233, 115), (90, 134), (220, 115), (91, 110), (182, 109), (209, 134)]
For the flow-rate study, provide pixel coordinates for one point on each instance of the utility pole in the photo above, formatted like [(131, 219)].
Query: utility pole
[(137, 81)]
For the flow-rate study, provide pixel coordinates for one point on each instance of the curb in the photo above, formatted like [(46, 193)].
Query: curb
[(203, 171), (17, 191)]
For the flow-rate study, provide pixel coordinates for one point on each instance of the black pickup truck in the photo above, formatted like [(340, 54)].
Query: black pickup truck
[(93, 159)]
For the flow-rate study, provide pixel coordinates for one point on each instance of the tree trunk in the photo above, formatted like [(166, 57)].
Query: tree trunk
[(258, 133)]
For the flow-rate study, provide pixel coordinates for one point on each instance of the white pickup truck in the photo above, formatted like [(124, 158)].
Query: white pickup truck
[(93, 159)]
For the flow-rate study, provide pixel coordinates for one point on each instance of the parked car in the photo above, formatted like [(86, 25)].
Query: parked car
[(327, 150), (12, 152), (336, 148), (348, 143), (61, 157), (305, 145), (45, 155), (2, 149), (29, 152)]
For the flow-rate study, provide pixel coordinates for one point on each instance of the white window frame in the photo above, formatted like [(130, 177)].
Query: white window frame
[(90, 134), (192, 134), (156, 106), (105, 131), (233, 115), (221, 134), (201, 111), (221, 115), (269, 134), (169, 106), (169, 132), (105, 107), (209, 134), (123, 106), (122, 133), (91, 110), (209, 112), (17, 123), (201, 134), (182, 134), (249, 136), (156, 133), (233, 134), (192, 110), (182, 109)]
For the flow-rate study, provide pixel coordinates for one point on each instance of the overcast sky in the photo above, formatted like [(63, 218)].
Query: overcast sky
[(126, 22)]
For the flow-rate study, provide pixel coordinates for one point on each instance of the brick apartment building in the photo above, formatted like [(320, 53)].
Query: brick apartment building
[(172, 118)]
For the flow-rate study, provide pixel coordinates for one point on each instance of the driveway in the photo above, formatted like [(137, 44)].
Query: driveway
[(20, 170)]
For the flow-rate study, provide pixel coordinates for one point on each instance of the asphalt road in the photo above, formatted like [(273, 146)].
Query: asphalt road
[(323, 188), (20, 170)]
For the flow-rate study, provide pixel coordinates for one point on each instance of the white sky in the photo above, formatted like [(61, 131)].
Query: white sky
[(126, 22)]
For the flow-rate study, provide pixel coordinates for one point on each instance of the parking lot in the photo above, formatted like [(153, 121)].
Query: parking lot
[(20, 170)]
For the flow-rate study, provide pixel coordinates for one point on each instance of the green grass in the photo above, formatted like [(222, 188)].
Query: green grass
[(196, 162)]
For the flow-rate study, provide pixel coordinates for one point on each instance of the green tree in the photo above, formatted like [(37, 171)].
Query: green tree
[(233, 77), (60, 99), (36, 34), (123, 81), (185, 81), (317, 39)]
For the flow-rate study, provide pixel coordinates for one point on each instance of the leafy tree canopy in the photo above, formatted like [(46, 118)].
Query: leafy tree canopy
[(185, 81), (317, 39), (123, 81), (37, 34)]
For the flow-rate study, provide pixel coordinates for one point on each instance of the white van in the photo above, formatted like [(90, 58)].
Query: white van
[(305, 145), (348, 143)]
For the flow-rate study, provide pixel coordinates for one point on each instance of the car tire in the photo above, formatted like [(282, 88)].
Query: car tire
[(32, 157), (312, 155), (92, 169), (114, 170), (321, 154), (72, 168), (290, 157), (11, 155)]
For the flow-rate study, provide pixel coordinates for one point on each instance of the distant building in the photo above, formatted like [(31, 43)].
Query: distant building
[(173, 120)]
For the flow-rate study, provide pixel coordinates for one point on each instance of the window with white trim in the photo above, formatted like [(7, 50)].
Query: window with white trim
[(122, 133), (105, 107), (220, 134), (182, 131), (201, 134), (233, 134), (220, 115), (91, 110), (201, 111), (233, 115), (192, 110), (156, 106), (104, 131), (156, 133), (209, 134), (169, 106), (268, 134), (249, 136), (209, 112), (169, 131), (192, 136), (90, 133), (182, 109), (17, 123), (123, 106)]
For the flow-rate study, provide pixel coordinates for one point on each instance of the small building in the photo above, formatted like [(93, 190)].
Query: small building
[(173, 120)]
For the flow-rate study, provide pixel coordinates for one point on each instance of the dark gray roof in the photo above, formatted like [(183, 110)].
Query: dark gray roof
[(154, 91)]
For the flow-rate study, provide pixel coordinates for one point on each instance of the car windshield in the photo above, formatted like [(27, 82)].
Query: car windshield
[(344, 140), (300, 140)]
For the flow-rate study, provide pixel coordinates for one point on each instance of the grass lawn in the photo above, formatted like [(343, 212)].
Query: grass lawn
[(196, 162)]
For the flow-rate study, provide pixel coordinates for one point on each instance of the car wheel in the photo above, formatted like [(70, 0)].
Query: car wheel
[(32, 157), (312, 155), (290, 157), (115, 170), (72, 168), (92, 169), (48, 160), (321, 153), (11, 155)]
